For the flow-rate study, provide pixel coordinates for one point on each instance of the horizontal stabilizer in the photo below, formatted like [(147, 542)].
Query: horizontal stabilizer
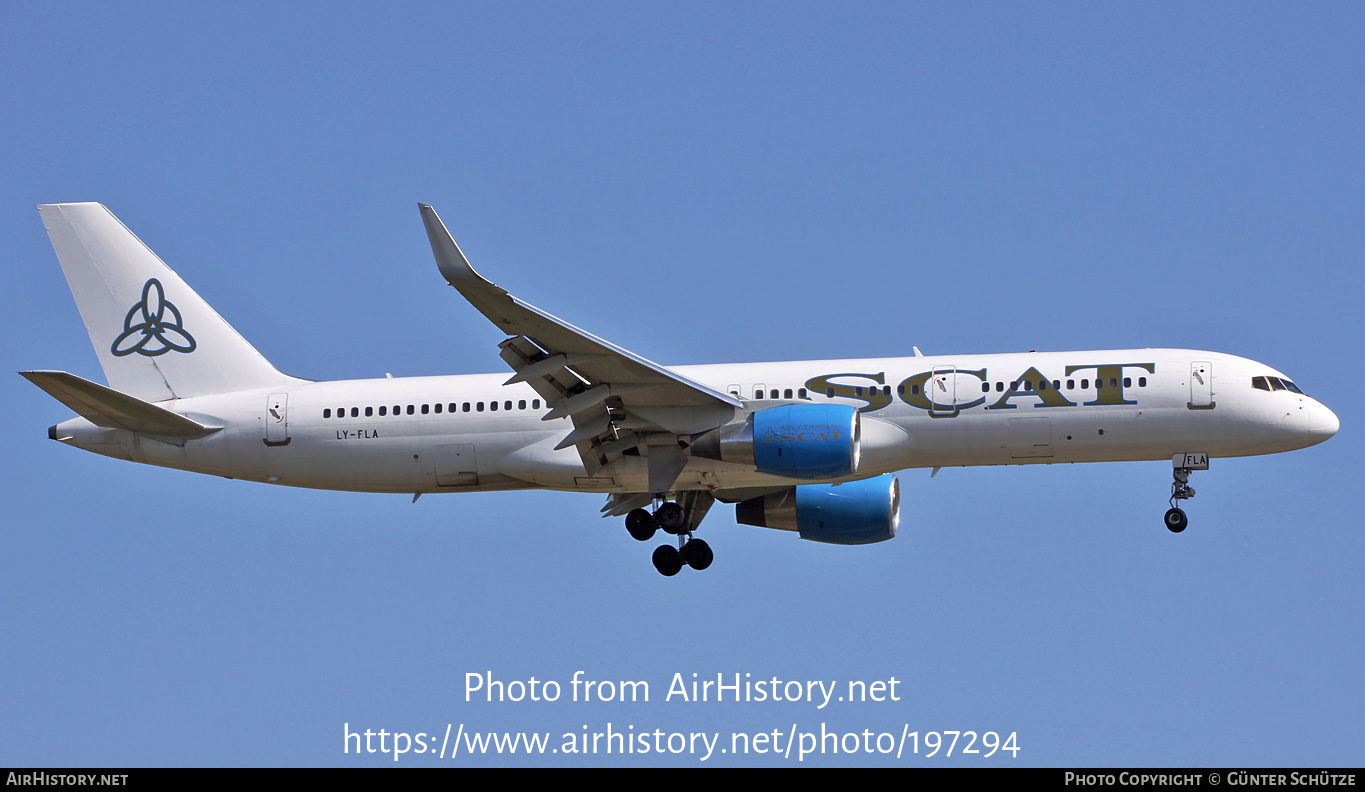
[(113, 410)]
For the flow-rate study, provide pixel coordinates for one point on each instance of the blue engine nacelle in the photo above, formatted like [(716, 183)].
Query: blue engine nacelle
[(808, 441), (855, 512)]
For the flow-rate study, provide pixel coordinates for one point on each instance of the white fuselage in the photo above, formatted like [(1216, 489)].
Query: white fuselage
[(928, 412)]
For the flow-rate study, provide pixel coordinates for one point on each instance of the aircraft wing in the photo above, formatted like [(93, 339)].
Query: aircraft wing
[(619, 402)]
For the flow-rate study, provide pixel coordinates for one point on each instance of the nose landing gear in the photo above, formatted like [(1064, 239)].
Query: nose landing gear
[(1183, 465)]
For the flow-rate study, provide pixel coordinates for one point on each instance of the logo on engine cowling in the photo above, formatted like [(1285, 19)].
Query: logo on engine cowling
[(805, 432), (160, 331)]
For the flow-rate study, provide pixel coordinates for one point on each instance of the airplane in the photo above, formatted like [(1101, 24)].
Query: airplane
[(810, 447)]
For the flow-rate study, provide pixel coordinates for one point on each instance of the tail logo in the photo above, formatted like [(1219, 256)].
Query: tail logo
[(159, 331)]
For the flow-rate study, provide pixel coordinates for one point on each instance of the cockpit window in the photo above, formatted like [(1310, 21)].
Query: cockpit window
[(1275, 384)]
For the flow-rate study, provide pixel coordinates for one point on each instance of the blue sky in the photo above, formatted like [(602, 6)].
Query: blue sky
[(715, 183)]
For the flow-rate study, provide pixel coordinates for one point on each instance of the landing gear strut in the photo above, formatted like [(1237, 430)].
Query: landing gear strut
[(679, 519), (1183, 465)]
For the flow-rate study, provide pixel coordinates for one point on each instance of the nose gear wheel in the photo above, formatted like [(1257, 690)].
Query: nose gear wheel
[(1175, 519)]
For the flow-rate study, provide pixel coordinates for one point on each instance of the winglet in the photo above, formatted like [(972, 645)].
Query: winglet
[(595, 361), (450, 260)]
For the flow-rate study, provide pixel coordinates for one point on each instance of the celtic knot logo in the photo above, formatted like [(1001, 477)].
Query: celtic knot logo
[(159, 331)]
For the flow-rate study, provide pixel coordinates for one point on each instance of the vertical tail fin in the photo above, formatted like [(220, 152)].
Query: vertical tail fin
[(156, 339)]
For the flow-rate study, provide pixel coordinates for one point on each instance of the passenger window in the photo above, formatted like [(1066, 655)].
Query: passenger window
[(829, 393), (327, 413), (858, 390), (369, 412), (1042, 385), (1099, 384), (493, 406), (1113, 382), (1142, 382), (787, 394), (451, 407), (355, 412), (426, 408), (801, 394), (535, 404), (383, 409), (507, 405), (1057, 385), (521, 405), (1127, 382), (410, 409), (1071, 384), (1028, 385), (999, 387), (465, 407), (1085, 383), (438, 408), (886, 390), (985, 387), (397, 410), (478, 407), (914, 389)]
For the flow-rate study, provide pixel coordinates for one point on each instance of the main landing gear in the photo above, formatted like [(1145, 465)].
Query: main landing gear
[(1183, 465), (673, 519)]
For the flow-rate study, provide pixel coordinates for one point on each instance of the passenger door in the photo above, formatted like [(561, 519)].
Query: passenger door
[(1201, 385), (277, 420), (941, 391)]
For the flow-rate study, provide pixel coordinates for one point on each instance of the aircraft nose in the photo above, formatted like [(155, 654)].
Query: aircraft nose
[(1323, 423), (1309, 423)]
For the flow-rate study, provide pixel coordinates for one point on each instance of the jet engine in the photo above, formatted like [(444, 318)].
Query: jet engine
[(855, 512), (809, 441)]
